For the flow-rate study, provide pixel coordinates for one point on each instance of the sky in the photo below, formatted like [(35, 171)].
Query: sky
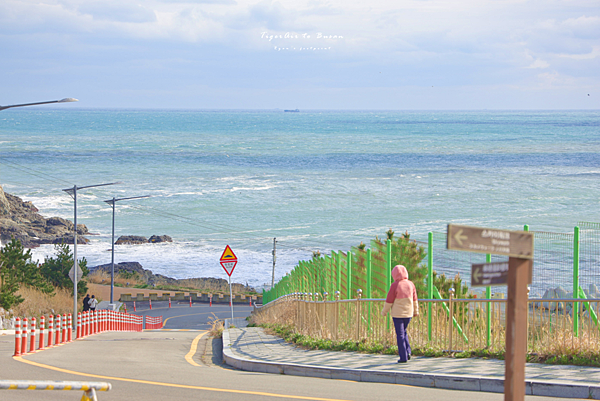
[(309, 54)]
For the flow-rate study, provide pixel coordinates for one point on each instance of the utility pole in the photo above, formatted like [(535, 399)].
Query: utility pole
[(112, 263), (73, 193), (274, 259)]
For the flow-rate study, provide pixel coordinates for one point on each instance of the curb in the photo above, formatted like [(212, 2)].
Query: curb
[(418, 379)]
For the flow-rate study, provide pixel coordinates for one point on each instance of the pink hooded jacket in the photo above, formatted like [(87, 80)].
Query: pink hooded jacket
[(402, 296)]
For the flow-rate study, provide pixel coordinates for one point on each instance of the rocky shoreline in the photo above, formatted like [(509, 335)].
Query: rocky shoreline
[(21, 220)]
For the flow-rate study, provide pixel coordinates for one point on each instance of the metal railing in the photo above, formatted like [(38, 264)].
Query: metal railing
[(443, 325)]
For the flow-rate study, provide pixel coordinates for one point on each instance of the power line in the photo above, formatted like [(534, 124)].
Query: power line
[(33, 172)]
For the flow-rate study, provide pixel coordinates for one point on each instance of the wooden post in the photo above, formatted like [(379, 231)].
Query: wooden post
[(516, 329)]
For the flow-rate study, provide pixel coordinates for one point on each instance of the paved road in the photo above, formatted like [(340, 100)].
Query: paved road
[(181, 316), (174, 365)]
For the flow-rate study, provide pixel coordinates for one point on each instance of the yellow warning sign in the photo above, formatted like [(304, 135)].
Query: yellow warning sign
[(228, 255)]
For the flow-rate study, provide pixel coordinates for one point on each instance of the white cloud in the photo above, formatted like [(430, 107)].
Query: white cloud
[(587, 56), (538, 64), (117, 11), (448, 42)]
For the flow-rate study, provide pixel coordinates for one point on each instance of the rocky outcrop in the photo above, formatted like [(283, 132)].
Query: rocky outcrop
[(138, 239), (131, 240), (130, 267), (160, 238), (147, 277), (21, 220)]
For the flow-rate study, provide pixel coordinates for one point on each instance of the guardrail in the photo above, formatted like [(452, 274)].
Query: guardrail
[(59, 330), (443, 324), (89, 388)]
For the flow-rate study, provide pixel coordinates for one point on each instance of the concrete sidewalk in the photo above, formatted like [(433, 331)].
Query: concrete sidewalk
[(251, 349)]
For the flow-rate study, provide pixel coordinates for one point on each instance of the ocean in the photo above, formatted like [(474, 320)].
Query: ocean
[(314, 180)]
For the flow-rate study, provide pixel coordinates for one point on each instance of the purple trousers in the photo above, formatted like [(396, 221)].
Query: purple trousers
[(400, 324)]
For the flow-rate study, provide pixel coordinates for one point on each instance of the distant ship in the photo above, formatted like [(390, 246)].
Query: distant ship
[(292, 111)]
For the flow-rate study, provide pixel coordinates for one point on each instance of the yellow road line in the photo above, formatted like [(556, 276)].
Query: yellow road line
[(215, 389), (193, 349), (193, 314)]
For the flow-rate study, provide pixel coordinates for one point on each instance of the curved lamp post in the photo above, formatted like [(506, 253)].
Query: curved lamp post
[(73, 193), (112, 264), (65, 100)]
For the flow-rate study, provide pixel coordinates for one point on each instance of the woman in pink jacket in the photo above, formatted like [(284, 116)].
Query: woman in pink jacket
[(403, 302)]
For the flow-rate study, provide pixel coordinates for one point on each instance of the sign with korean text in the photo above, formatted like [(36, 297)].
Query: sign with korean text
[(517, 244)]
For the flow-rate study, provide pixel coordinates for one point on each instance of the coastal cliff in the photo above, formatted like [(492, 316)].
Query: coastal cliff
[(21, 220)]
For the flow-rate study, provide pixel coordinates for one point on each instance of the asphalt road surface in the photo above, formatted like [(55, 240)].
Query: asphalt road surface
[(178, 365)]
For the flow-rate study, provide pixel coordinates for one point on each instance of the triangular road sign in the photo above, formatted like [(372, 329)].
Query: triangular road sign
[(229, 266), (228, 255), (228, 260)]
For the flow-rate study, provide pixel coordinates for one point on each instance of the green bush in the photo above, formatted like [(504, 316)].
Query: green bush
[(17, 269), (56, 270)]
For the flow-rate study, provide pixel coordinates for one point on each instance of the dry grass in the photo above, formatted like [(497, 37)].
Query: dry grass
[(103, 277), (37, 303), (216, 326), (549, 335)]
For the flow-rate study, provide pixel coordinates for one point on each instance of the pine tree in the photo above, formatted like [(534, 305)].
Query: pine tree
[(56, 270), (23, 268), (8, 287)]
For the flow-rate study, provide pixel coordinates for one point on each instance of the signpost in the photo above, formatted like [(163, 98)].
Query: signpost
[(72, 275), (228, 261), (517, 273)]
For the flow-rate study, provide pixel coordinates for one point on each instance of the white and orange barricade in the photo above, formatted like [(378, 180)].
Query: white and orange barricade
[(50, 330), (32, 337), (24, 337), (64, 328), (70, 329), (79, 333), (17, 336), (57, 320), (42, 332)]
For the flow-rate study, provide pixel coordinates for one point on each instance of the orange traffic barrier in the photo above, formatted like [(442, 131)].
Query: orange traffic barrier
[(70, 329), (57, 320), (64, 328), (50, 330), (32, 337), (17, 336), (42, 331), (59, 329), (24, 337)]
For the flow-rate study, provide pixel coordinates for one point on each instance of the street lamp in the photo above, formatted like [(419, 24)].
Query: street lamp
[(112, 264), (65, 100), (73, 193)]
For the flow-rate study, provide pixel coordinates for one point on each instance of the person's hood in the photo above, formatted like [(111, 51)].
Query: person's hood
[(399, 272)]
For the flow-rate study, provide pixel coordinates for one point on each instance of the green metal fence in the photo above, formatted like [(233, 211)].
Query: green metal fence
[(566, 265), (457, 324)]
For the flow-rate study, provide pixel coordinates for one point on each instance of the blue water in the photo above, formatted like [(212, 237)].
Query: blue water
[(315, 180)]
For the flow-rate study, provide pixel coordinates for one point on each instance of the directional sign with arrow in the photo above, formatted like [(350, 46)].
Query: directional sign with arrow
[(488, 274), (489, 240)]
